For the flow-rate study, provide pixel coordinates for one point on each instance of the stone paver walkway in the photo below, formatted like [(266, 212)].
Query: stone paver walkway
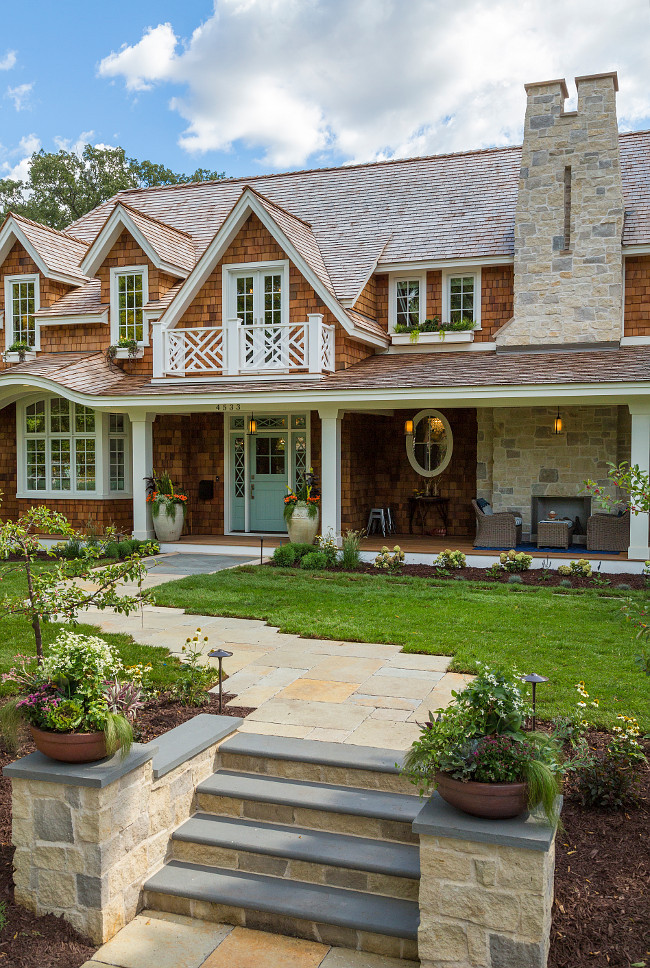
[(368, 694), (155, 940)]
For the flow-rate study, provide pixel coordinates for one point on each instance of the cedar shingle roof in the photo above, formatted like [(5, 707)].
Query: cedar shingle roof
[(61, 252), (442, 207), (78, 302), (91, 374), (173, 245)]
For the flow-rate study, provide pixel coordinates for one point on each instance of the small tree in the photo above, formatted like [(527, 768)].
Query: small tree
[(58, 590)]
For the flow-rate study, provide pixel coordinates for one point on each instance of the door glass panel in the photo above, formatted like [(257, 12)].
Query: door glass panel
[(240, 467), (262, 455), (245, 300), (278, 450), (273, 299)]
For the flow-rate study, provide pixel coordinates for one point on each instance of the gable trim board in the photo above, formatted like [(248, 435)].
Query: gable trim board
[(249, 203), (12, 232)]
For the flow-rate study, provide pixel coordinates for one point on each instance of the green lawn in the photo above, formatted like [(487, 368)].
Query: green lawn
[(566, 637), (17, 637)]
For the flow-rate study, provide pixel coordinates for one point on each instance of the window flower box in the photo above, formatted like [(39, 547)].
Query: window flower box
[(126, 353), (13, 356), (427, 339)]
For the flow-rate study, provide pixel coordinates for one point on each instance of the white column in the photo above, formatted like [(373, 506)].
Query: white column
[(141, 467), (640, 454), (314, 338), (159, 349), (330, 470), (231, 353)]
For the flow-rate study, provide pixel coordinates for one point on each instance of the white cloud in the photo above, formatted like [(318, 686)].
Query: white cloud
[(20, 95), (8, 61), (19, 170), (295, 80)]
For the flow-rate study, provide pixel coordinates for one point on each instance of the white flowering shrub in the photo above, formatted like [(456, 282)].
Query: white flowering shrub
[(85, 662), (450, 559), (514, 561), (389, 560)]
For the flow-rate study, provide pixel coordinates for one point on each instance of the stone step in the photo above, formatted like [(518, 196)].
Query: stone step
[(303, 759), (330, 915), (320, 806), (315, 856)]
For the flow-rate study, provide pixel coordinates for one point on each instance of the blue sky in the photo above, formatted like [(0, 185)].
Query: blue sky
[(248, 86)]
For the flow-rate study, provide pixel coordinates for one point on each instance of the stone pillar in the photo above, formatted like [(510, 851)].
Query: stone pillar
[(640, 454), (330, 471), (87, 835), (485, 453), (141, 467), (568, 266), (486, 890)]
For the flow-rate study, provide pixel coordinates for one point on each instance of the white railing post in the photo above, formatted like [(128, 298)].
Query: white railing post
[(159, 341), (231, 352), (314, 338)]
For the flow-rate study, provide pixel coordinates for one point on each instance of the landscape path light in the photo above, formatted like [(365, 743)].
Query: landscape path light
[(534, 678), (220, 654)]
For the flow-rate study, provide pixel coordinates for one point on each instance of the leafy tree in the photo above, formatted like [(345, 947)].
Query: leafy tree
[(59, 590), (62, 186)]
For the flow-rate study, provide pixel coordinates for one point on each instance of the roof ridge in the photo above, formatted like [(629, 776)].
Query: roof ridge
[(151, 218), (48, 228)]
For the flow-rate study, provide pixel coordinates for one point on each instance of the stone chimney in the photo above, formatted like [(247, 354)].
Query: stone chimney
[(569, 219)]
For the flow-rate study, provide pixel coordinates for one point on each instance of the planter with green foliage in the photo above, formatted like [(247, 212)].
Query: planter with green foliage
[(79, 702), (433, 331), (125, 349), (301, 511), (477, 755), (19, 352), (168, 507)]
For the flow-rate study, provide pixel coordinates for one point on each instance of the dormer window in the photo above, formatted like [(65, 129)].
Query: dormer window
[(407, 299), (129, 295), (461, 297), (21, 303)]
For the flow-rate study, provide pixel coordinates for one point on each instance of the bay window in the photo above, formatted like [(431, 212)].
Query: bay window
[(71, 450)]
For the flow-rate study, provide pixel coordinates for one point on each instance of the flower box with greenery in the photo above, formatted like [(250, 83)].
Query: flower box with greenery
[(477, 755), (79, 702), (19, 351), (433, 331), (168, 507), (301, 509), (125, 349)]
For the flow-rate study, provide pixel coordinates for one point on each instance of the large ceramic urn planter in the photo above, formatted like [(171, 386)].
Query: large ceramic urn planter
[(70, 747), (495, 801), (169, 528), (302, 529)]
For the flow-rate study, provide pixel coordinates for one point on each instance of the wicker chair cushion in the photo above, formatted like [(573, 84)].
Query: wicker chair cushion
[(485, 506)]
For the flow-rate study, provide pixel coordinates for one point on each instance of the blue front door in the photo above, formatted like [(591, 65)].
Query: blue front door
[(268, 481)]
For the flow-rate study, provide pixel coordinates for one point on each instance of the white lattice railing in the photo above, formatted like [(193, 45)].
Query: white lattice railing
[(198, 350), (237, 349)]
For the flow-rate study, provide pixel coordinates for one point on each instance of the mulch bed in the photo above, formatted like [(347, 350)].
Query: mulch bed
[(27, 941)]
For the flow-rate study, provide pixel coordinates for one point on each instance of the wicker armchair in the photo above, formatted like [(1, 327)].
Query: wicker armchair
[(499, 530), (608, 532)]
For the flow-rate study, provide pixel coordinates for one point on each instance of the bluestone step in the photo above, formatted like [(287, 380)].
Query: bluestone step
[(316, 903), (327, 797), (299, 843)]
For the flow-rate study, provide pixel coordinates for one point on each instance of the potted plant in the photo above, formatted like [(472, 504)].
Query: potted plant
[(433, 331), (477, 755), (125, 349), (301, 511), (78, 702), (168, 507), (19, 351)]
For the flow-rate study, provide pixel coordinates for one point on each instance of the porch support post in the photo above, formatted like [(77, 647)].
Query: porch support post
[(330, 470), (640, 454), (142, 465)]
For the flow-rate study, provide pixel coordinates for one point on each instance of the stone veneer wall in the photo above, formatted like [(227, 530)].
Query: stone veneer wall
[(568, 294), (484, 905), (519, 457)]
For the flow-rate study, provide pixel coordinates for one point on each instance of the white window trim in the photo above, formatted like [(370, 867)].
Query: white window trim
[(393, 279), (232, 270), (447, 275), (9, 320), (115, 273), (102, 491)]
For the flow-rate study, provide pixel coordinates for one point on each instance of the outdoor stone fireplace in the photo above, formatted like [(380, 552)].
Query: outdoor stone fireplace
[(564, 507)]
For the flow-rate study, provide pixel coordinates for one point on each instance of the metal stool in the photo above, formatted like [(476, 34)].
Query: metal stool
[(377, 519), (390, 521)]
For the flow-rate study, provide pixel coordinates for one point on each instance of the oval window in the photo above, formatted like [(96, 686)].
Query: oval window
[(429, 446)]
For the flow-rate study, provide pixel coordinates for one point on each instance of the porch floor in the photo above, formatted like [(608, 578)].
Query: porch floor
[(414, 544)]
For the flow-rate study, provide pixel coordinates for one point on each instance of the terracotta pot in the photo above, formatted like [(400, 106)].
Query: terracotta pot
[(496, 801), (302, 529), (169, 529), (70, 747)]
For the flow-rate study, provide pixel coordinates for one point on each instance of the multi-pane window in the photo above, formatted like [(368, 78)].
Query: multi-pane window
[(130, 302), (62, 447), (245, 300), (273, 299), (23, 307), (461, 298), (408, 302)]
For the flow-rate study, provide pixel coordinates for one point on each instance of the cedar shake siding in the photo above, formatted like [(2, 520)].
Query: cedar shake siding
[(637, 295)]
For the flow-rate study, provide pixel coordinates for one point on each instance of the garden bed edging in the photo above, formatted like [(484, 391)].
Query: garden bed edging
[(88, 835)]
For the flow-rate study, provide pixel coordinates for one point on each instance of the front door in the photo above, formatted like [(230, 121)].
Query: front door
[(268, 481)]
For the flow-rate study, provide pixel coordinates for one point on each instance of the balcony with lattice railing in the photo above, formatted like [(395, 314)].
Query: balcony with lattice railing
[(238, 350)]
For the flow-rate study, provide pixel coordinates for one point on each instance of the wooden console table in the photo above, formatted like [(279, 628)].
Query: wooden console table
[(422, 505)]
